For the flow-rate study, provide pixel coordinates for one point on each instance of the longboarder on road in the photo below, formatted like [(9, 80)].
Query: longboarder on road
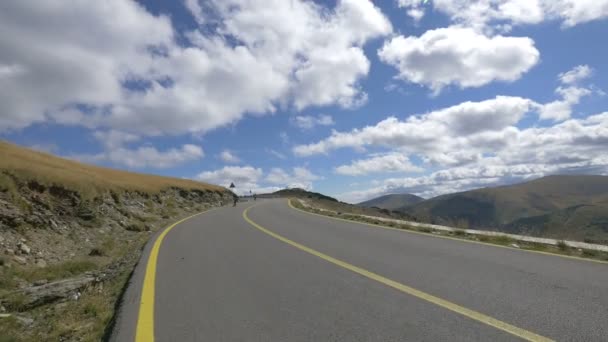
[(235, 198)]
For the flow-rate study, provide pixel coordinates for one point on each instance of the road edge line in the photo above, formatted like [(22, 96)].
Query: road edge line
[(472, 314), (144, 331), (450, 237)]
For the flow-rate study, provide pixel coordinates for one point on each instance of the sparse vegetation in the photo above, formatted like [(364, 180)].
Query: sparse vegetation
[(553, 207), (460, 232), (89, 181), (59, 271), (14, 301), (537, 246), (590, 254), (501, 240), (96, 252), (7, 280), (9, 326), (392, 202), (424, 230), (463, 223), (77, 221), (136, 227), (7, 184)]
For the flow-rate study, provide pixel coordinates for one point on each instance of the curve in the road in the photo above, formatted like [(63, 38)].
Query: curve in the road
[(228, 282), (145, 322), (522, 333)]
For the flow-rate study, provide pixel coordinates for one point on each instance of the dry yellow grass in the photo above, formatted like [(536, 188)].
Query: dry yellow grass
[(89, 180)]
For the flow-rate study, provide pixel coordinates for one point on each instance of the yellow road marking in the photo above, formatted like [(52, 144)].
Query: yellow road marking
[(448, 237), (477, 316), (145, 320)]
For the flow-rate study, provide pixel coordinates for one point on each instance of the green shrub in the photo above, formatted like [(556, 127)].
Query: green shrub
[(589, 253), (484, 238), (502, 240), (108, 245), (536, 246), (9, 328), (15, 302), (7, 279), (97, 251), (136, 227), (90, 310), (562, 246), (7, 184), (170, 203), (459, 232)]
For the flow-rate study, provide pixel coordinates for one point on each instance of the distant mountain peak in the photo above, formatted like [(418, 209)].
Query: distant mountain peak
[(559, 206), (392, 201)]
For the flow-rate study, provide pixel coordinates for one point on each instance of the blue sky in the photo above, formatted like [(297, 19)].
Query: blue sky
[(350, 98)]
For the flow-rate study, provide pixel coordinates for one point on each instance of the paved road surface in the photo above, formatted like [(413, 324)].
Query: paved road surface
[(219, 278)]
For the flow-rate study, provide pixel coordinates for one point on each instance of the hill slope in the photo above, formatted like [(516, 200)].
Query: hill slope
[(299, 193), (79, 228), (329, 203), (392, 202), (27, 164), (559, 206)]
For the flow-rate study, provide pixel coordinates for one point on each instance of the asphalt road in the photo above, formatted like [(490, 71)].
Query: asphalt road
[(219, 278)]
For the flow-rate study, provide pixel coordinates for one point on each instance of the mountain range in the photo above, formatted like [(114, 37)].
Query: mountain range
[(392, 201), (560, 206)]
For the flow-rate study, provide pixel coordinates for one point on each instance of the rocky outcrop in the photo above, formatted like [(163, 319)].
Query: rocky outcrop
[(43, 292), (70, 236), (47, 226), (60, 290), (32, 215)]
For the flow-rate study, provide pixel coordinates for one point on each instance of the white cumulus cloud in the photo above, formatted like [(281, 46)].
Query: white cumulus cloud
[(432, 133), (127, 72), (248, 179), (146, 156), (501, 15), (243, 177), (511, 155), (571, 94), (577, 74), (300, 177), (55, 63), (309, 121), (229, 157), (384, 163), (459, 56)]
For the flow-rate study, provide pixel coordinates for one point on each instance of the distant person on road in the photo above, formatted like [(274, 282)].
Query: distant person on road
[(235, 198), (255, 197)]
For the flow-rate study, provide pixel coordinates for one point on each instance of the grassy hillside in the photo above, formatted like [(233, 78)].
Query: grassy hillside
[(71, 228), (329, 203), (88, 180), (559, 206), (589, 222), (299, 193), (392, 202)]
